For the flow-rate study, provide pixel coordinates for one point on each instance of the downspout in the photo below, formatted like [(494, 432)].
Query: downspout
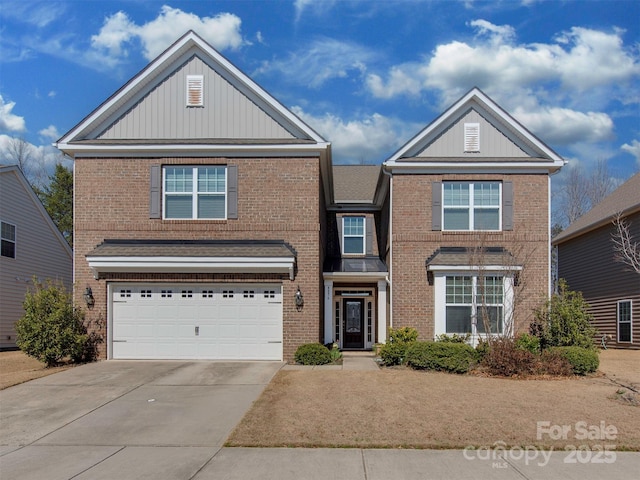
[(389, 278)]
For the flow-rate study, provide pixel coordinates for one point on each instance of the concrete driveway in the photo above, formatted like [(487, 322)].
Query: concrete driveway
[(125, 419)]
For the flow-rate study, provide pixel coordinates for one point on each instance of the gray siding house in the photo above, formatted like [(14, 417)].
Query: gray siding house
[(31, 246), (587, 261)]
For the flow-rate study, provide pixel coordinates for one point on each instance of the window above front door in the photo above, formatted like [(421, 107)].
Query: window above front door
[(353, 235)]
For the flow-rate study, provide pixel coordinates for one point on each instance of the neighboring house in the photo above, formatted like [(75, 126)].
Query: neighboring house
[(211, 223), (32, 246), (587, 261), (470, 223)]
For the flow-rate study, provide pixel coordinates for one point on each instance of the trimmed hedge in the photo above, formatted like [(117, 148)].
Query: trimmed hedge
[(312, 354), (393, 353), (443, 356), (582, 360)]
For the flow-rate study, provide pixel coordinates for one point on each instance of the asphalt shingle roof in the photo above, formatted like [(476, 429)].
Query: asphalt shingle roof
[(625, 199), (355, 183)]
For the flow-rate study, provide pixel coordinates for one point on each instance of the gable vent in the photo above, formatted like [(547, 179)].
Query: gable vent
[(195, 94), (471, 137)]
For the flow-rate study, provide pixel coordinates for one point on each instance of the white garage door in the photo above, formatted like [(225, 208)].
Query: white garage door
[(235, 322)]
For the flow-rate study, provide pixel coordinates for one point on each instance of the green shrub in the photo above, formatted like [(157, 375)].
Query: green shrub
[(403, 335), (564, 320), (482, 349), (444, 356), (312, 354), (454, 338), (51, 328), (582, 360), (528, 342), (393, 353)]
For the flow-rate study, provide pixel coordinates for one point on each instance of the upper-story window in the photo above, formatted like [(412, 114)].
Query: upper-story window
[(195, 192), (8, 239), (471, 205), (353, 235)]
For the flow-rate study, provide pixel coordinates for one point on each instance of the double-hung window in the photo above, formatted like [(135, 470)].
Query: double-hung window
[(353, 235), (624, 321), (474, 304), (195, 192), (8, 239), (471, 205)]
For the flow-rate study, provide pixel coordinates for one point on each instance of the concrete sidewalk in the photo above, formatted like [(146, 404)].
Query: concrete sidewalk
[(350, 361)]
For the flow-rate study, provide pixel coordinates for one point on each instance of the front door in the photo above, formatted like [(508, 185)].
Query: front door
[(353, 323)]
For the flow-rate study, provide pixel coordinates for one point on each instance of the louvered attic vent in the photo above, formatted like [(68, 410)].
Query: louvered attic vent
[(471, 137), (195, 94)]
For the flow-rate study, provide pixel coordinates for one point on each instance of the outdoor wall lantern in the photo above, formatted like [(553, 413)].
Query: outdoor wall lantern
[(88, 297), (299, 299)]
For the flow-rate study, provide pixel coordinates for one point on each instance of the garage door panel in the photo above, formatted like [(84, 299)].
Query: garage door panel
[(233, 321)]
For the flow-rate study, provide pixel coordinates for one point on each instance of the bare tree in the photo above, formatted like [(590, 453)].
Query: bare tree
[(626, 250), (29, 160), (582, 192)]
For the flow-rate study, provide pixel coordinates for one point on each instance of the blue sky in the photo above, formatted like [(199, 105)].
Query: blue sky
[(366, 75)]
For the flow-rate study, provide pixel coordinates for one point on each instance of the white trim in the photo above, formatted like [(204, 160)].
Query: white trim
[(474, 268), (354, 276), (15, 238), (419, 167), (440, 292), (100, 265), (630, 322), (195, 193), (193, 150), (182, 47), (329, 331), (476, 96), (363, 236), (471, 207), (382, 311)]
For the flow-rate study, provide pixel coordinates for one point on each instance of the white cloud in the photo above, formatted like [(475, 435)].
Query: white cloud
[(527, 78), (119, 31), (366, 139), (322, 60), (633, 149), (8, 121), (569, 126), (50, 133), (318, 7)]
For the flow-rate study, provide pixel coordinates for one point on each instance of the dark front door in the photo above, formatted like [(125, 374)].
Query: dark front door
[(353, 323)]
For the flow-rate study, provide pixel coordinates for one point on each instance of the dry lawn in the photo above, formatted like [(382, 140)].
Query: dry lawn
[(16, 367), (414, 409)]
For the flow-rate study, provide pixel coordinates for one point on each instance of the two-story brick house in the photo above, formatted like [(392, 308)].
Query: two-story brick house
[(200, 207), (469, 223), (210, 222)]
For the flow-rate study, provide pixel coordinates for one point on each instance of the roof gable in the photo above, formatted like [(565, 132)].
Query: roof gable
[(30, 204), (624, 200), (503, 140), (152, 105)]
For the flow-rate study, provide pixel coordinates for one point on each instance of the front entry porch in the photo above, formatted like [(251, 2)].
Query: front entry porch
[(355, 315)]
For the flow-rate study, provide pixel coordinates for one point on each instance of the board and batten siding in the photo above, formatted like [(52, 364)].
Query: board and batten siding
[(588, 265), (493, 143), (226, 112), (39, 253)]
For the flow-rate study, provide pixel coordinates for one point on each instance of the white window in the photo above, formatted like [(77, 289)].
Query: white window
[(195, 192), (8, 239), (195, 90), (474, 305), (471, 137), (472, 206), (625, 322), (353, 235)]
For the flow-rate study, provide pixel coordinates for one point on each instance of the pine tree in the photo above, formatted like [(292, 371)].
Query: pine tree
[(57, 198)]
